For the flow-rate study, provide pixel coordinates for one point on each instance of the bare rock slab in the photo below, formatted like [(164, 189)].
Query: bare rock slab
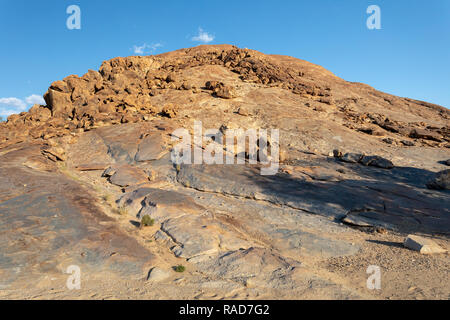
[(248, 263), (423, 245), (162, 205), (127, 175), (157, 274), (151, 148)]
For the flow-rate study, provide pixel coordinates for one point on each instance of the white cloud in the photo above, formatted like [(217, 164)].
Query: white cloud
[(35, 99), (140, 50), (12, 105), (203, 36), (13, 102)]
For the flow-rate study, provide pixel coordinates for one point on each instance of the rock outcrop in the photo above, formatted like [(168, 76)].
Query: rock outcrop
[(359, 170), (124, 91)]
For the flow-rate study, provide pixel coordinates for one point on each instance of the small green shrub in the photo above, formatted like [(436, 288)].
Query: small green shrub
[(147, 221), (180, 268)]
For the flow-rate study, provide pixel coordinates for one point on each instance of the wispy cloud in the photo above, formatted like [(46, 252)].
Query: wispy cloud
[(146, 48), (203, 36), (35, 99), (12, 105)]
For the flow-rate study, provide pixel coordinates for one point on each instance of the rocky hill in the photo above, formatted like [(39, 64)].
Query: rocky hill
[(359, 171)]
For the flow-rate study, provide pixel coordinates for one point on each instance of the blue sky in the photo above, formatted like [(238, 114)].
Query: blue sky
[(409, 56)]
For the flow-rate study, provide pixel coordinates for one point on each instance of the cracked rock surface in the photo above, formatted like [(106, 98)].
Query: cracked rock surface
[(359, 171)]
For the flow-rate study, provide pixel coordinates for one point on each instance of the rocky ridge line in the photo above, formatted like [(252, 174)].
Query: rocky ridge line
[(122, 91)]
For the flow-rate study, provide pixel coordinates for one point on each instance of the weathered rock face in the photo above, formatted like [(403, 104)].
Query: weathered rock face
[(98, 156), (426, 134), (49, 222), (127, 175), (126, 90), (441, 181)]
